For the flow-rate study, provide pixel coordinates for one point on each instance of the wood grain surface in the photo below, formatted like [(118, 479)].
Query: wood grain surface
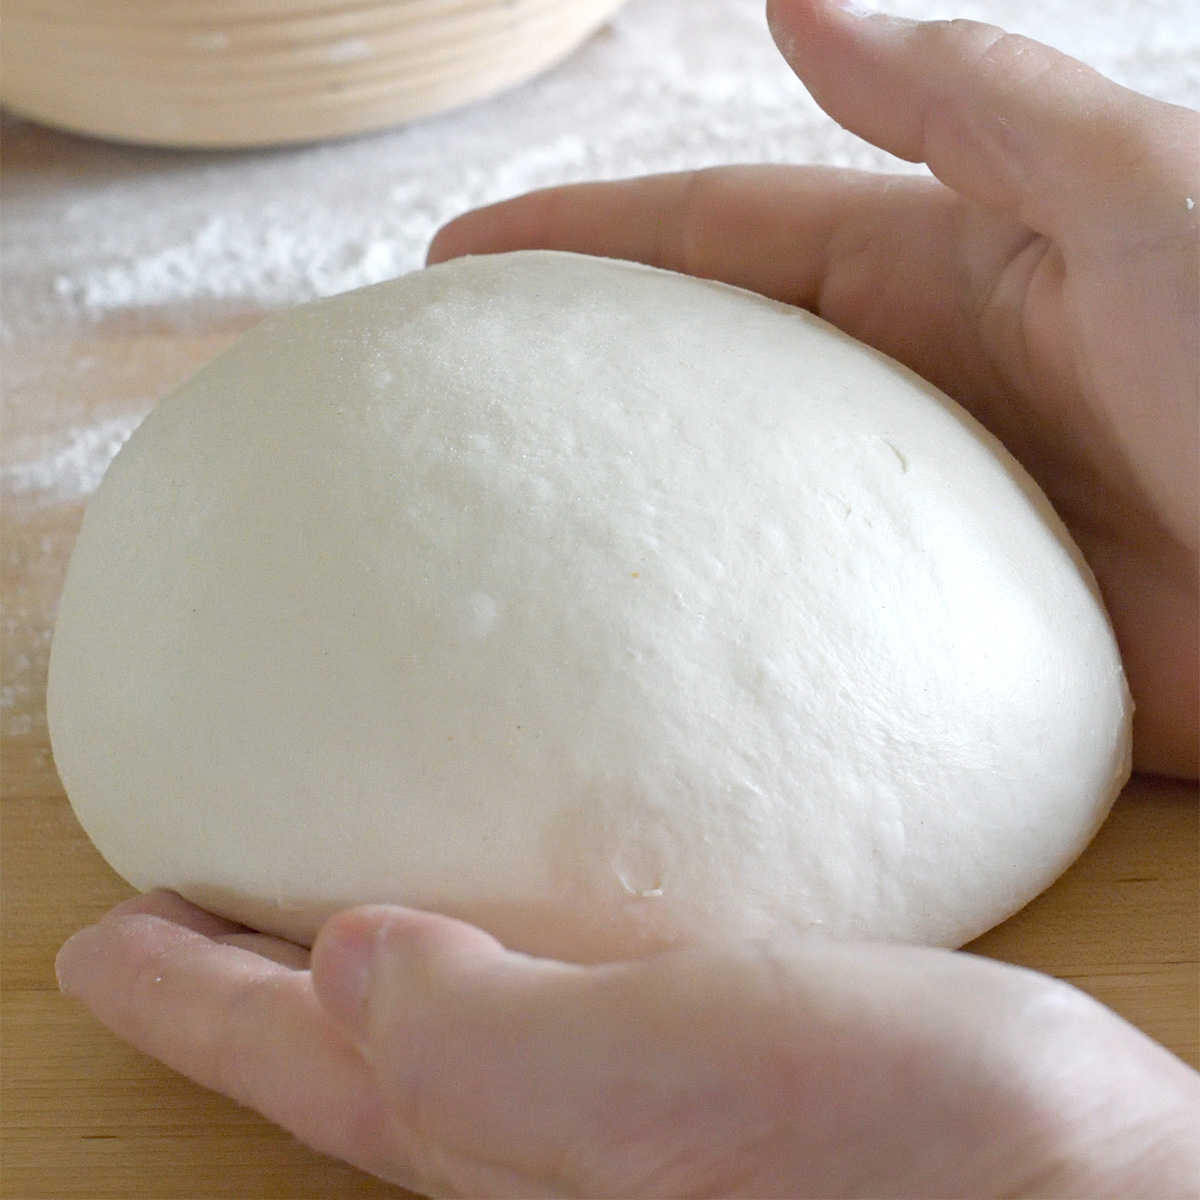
[(84, 1116)]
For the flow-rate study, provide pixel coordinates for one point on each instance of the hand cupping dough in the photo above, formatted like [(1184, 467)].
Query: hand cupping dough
[(600, 606)]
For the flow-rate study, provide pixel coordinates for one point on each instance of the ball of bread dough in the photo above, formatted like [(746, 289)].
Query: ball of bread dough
[(600, 606)]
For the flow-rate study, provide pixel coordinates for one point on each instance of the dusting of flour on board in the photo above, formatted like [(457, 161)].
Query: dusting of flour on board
[(73, 467)]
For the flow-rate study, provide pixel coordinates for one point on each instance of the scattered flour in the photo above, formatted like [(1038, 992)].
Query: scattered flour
[(73, 468), (233, 256)]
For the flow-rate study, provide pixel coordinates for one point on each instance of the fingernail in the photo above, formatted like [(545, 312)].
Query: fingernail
[(71, 960), (343, 959), (62, 969)]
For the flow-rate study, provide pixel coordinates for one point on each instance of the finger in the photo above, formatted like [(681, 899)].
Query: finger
[(173, 907), (769, 229), (894, 261), (286, 954), (348, 945), (472, 1044), (1006, 121), (230, 1019), (764, 228)]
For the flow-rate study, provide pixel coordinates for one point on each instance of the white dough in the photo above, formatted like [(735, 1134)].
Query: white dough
[(600, 606)]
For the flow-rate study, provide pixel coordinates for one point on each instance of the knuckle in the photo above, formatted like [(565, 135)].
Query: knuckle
[(679, 239), (983, 51), (1013, 59)]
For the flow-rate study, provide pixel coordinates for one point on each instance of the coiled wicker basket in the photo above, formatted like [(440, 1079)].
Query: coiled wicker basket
[(224, 73)]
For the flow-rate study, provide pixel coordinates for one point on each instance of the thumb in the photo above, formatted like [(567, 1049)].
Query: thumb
[(1008, 122), (762, 1069), (473, 1046)]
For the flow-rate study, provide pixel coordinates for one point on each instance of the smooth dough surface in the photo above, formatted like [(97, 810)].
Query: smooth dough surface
[(600, 606)]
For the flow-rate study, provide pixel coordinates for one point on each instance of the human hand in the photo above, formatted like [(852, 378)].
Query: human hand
[(1048, 279), (419, 1049)]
